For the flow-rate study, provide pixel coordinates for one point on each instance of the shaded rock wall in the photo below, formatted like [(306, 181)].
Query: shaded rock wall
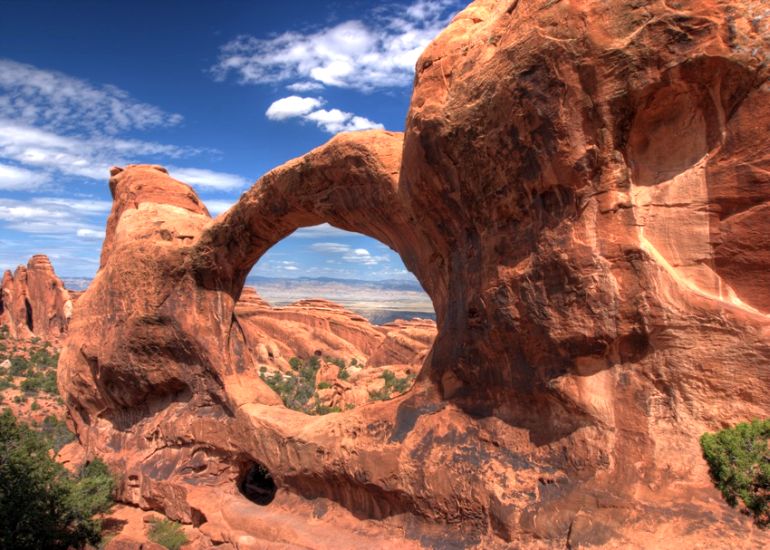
[(580, 189)]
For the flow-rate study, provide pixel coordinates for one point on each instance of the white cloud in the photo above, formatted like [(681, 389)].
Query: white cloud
[(61, 102), (13, 178), (330, 247), (88, 157), (209, 179), (322, 231), (364, 257), (217, 206), (348, 253), (292, 106), (332, 120), (90, 234), (305, 86), (378, 53), (54, 216)]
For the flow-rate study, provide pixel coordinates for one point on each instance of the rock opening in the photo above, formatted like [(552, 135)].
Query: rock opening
[(258, 485), (28, 308)]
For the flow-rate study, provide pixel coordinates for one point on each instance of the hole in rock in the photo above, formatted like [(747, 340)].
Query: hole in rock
[(258, 485), (327, 313), (28, 308)]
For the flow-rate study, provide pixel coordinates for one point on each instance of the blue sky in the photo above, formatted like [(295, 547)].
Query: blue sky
[(219, 92)]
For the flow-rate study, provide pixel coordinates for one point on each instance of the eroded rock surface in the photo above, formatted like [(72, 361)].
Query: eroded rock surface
[(582, 190), (34, 302)]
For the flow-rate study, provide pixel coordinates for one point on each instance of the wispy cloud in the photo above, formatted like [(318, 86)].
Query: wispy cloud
[(54, 127), (13, 178), (349, 254), (56, 101), (65, 218), (217, 206), (330, 247), (322, 231), (365, 55), (46, 152), (209, 179)]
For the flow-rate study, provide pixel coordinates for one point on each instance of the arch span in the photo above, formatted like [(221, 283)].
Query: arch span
[(351, 182)]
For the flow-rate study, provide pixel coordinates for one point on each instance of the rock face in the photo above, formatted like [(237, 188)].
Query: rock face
[(323, 328), (34, 302), (582, 189)]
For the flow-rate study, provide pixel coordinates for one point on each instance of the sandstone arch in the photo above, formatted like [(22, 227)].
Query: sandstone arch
[(576, 363)]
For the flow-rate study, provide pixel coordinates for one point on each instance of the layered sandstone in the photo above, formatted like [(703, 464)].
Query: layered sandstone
[(34, 302), (581, 189)]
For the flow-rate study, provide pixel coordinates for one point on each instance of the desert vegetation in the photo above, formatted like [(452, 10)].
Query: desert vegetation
[(41, 504), (739, 462), (167, 533)]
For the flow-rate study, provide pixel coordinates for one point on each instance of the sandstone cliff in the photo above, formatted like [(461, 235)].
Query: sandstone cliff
[(582, 189), (34, 302)]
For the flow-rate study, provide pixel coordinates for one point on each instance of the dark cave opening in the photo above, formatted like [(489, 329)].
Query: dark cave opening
[(258, 485), (28, 308)]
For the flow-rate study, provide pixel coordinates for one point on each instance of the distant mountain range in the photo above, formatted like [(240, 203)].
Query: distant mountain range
[(76, 283), (256, 281)]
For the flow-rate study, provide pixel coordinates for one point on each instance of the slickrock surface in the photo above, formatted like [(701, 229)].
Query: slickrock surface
[(34, 302), (582, 189)]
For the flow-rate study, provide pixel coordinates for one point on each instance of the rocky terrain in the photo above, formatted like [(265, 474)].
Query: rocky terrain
[(354, 363), (582, 189)]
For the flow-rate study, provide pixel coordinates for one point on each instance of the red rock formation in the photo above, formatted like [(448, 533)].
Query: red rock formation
[(34, 302), (581, 192), (321, 327)]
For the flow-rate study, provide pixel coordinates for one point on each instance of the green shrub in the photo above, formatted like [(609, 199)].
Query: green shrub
[(297, 389), (41, 505), (168, 533), (739, 462), (392, 384), (41, 382), (323, 409), (42, 358), (56, 433), (324, 385), (19, 366)]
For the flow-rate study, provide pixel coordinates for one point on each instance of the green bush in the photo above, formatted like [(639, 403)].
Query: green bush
[(298, 389), (739, 462), (392, 384), (324, 385), (168, 533), (41, 505), (19, 366), (56, 433), (41, 382), (41, 357)]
